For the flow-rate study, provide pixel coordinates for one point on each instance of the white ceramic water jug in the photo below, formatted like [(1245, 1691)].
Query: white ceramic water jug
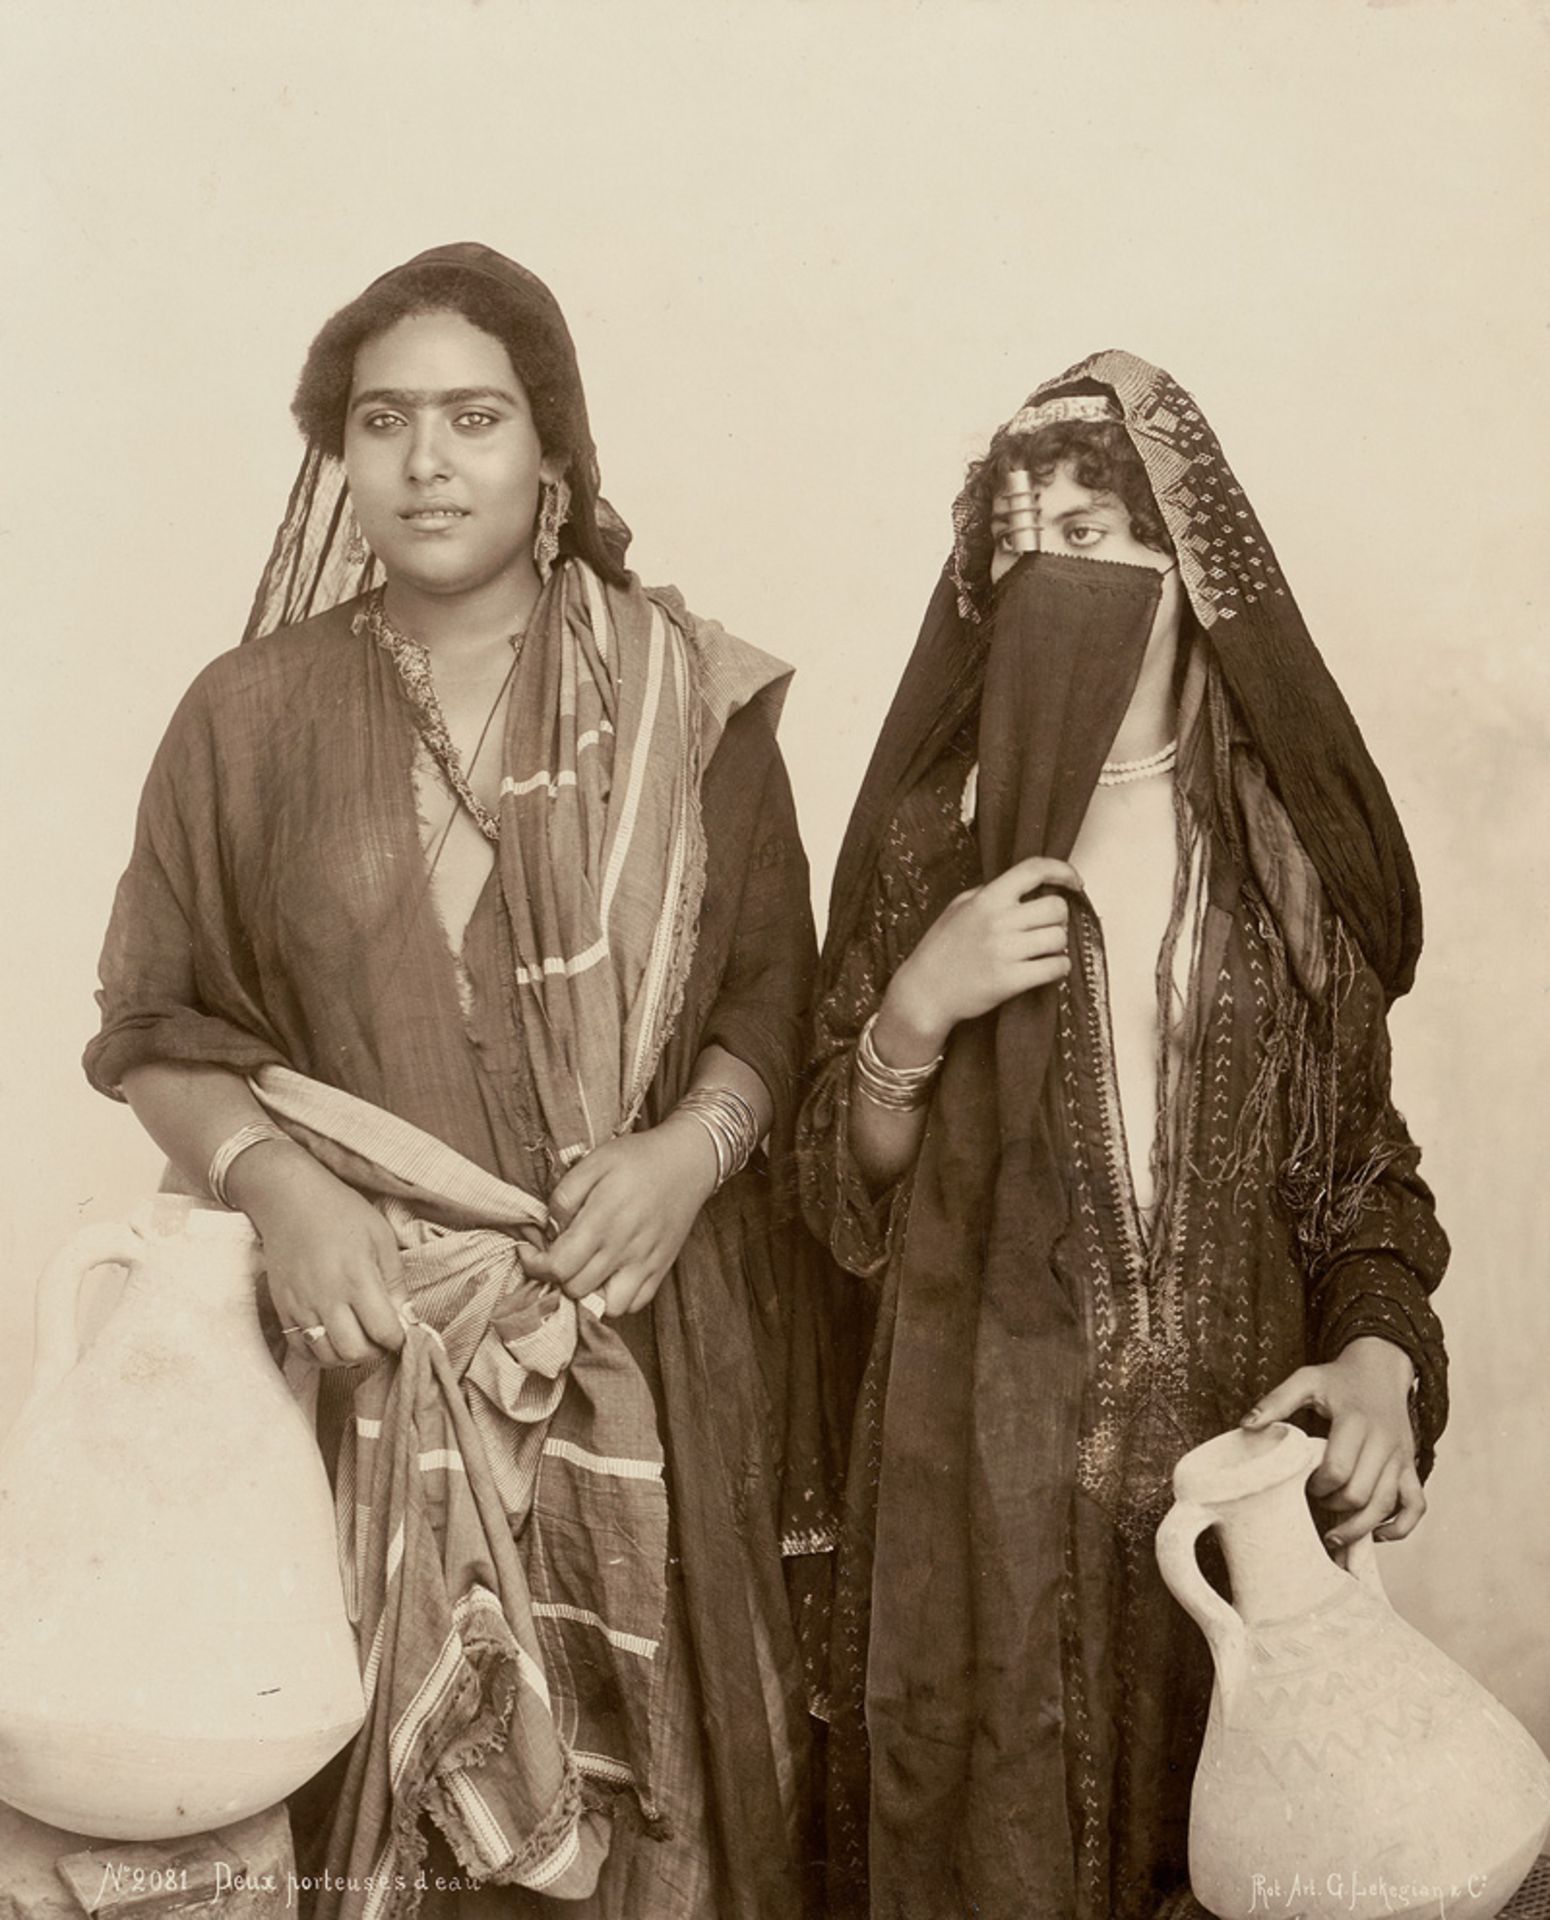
[(1349, 1768), (174, 1649)]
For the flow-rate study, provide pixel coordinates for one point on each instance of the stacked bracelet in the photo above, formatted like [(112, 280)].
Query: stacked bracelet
[(238, 1142), (898, 1089), (732, 1124)]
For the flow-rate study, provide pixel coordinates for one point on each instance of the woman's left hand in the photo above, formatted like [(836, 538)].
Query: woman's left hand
[(625, 1211), (1368, 1472)]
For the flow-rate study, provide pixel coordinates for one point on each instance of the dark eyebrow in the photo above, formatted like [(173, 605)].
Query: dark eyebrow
[(1096, 502), (408, 398)]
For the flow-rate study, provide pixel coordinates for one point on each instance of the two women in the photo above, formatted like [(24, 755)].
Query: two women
[(465, 947)]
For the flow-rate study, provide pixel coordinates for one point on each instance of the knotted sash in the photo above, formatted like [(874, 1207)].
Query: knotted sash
[(503, 1537)]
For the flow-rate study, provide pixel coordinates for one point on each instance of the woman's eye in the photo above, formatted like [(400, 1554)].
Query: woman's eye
[(1085, 534), (382, 422), (476, 418)]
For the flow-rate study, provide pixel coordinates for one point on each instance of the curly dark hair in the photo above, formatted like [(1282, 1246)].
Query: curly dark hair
[(1102, 459)]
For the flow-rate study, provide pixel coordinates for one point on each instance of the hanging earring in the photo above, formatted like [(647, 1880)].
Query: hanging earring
[(356, 551), (554, 506)]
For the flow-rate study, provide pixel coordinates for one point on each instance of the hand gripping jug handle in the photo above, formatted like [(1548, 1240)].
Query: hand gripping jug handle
[(1177, 1541)]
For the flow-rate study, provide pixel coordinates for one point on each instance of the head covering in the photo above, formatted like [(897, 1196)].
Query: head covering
[(314, 565), (1299, 724)]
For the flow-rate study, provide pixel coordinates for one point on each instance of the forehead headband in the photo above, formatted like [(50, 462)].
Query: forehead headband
[(1069, 406)]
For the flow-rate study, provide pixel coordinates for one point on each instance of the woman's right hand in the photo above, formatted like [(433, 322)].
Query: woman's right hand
[(332, 1258), (989, 945)]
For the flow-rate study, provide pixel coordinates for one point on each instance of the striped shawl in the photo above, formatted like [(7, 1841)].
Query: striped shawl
[(503, 1536)]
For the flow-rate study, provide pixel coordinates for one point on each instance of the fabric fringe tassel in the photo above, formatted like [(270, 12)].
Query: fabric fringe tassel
[(1299, 1053)]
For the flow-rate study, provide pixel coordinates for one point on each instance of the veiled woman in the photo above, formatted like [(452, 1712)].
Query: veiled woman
[(1102, 1118), (464, 946)]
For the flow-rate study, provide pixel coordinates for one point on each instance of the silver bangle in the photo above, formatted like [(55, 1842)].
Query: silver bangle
[(897, 1089), (718, 1141), (731, 1123), (234, 1144)]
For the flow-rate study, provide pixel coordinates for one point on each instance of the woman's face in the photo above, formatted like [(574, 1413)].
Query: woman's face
[(1062, 516), (442, 456), (1065, 517)]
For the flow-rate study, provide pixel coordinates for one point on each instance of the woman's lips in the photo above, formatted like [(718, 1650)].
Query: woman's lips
[(433, 516)]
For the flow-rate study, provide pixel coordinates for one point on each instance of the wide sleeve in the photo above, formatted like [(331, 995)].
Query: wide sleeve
[(840, 1207), (178, 980), (1379, 1252), (759, 1012), (927, 856)]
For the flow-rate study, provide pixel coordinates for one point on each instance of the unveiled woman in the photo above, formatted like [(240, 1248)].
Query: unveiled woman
[(464, 946)]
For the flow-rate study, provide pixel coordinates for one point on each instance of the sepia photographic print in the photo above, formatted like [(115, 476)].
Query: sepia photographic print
[(776, 907)]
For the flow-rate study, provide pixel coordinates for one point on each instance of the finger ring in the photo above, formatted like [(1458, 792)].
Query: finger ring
[(314, 1333)]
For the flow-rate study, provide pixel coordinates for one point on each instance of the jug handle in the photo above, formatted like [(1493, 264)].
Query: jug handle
[(56, 1346), (1179, 1564)]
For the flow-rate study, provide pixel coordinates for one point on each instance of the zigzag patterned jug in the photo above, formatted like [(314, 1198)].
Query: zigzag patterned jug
[(174, 1649), (1349, 1767)]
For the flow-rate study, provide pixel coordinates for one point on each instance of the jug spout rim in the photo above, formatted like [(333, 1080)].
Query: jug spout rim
[(1241, 1463), (164, 1215)]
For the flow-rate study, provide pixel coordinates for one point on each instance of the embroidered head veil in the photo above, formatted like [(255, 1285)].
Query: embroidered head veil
[(1295, 715)]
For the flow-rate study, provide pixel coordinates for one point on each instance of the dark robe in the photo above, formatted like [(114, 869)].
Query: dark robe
[(1179, 1343), (277, 909)]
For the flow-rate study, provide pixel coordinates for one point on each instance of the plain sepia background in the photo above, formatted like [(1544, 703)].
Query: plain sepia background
[(812, 254)]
